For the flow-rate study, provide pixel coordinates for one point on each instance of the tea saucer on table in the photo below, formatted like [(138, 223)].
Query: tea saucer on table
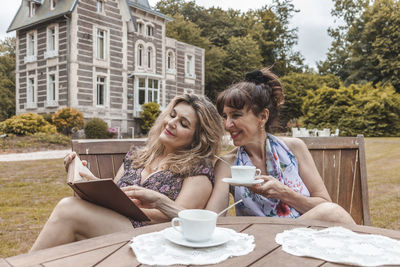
[(241, 182), (219, 237)]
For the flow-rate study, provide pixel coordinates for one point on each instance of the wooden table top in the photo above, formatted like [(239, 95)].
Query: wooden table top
[(114, 250)]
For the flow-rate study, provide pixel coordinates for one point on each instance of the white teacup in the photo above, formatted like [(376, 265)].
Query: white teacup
[(244, 172), (196, 225)]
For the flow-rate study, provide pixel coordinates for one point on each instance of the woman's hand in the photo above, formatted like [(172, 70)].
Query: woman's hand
[(68, 159), (144, 198), (271, 188)]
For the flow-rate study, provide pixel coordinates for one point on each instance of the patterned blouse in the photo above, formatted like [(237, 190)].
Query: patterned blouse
[(162, 181)]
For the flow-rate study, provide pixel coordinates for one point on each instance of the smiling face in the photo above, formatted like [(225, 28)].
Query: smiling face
[(243, 126), (179, 127)]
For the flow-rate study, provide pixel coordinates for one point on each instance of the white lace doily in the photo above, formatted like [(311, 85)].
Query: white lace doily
[(154, 249), (337, 244)]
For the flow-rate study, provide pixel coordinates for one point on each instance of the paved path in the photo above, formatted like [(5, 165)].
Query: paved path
[(51, 154)]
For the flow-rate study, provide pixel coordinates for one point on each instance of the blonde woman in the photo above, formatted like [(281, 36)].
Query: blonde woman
[(176, 161)]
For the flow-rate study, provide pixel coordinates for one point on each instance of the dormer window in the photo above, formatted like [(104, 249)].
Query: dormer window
[(53, 4), (32, 9), (100, 6), (149, 30)]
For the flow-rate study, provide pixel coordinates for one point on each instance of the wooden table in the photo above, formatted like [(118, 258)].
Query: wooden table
[(113, 250)]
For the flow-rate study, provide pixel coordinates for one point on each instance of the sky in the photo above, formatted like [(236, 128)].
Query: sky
[(312, 22)]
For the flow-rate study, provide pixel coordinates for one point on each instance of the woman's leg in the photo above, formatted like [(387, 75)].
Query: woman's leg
[(330, 212), (75, 219)]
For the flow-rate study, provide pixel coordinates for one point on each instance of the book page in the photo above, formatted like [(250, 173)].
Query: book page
[(74, 168)]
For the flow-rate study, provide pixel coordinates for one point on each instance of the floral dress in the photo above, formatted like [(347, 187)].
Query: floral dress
[(162, 181), (281, 164)]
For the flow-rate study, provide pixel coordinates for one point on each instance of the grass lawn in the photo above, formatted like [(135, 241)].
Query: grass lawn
[(29, 190)]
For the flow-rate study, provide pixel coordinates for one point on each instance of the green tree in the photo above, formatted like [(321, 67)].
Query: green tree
[(269, 26), (296, 86), (7, 78), (243, 55), (372, 111)]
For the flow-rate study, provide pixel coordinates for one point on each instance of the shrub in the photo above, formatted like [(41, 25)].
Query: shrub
[(54, 138), (97, 129), (149, 114), (48, 117), (357, 109), (26, 124), (68, 120)]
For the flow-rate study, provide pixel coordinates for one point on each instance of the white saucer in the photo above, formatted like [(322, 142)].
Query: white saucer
[(242, 182), (220, 236)]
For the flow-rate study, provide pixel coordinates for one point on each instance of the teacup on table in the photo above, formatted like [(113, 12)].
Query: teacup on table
[(196, 225), (245, 173)]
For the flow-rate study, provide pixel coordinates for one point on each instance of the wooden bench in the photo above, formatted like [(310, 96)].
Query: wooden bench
[(340, 161)]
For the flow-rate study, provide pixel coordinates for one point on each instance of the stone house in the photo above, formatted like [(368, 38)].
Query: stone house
[(102, 57)]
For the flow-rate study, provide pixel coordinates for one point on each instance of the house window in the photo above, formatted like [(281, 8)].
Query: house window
[(189, 66), (169, 60), (149, 57), (52, 90), (32, 9), (101, 44), (140, 55), (149, 30), (31, 44), (31, 92), (140, 27), (101, 91), (100, 6), (148, 90), (53, 4)]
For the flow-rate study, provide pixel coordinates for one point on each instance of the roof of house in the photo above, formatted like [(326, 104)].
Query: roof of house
[(22, 20), (144, 5)]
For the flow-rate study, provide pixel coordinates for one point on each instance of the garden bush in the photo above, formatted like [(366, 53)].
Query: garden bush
[(68, 120), (148, 116), (296, 86), (357, 109), (96, 128), (26, 124)]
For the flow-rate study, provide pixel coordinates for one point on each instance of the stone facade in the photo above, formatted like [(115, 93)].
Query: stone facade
[(102, 57)]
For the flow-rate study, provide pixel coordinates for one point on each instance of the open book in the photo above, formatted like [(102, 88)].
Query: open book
[(102, 192)]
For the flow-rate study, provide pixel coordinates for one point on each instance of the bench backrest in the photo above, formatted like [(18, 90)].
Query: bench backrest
[(104, 156), (340, 161), (342, 165)]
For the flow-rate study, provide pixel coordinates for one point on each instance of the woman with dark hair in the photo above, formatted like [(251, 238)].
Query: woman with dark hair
[(176, 163), (292, 186)]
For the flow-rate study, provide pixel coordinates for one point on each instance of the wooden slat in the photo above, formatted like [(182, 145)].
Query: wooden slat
[(356, 208), (117, 161), (347, 161), (330, 142), (92, 164), (264, 243), (280, 258), (107, 146), (331, 172), (363, 175), (105, 165), (89, 258), (318, 157)]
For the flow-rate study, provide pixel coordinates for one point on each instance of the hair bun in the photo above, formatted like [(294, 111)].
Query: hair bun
[(256, 76)]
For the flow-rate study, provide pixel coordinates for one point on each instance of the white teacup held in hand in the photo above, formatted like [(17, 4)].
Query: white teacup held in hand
[(196, 225), (244, 172)]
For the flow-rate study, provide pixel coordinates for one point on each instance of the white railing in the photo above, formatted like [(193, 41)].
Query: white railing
[(303, 132)]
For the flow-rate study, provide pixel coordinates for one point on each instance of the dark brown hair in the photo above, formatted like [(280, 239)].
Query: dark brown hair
[(259, 90)]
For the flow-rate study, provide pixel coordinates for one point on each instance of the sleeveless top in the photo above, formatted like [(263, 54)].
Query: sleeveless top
[(281, 164), (162, 181)]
